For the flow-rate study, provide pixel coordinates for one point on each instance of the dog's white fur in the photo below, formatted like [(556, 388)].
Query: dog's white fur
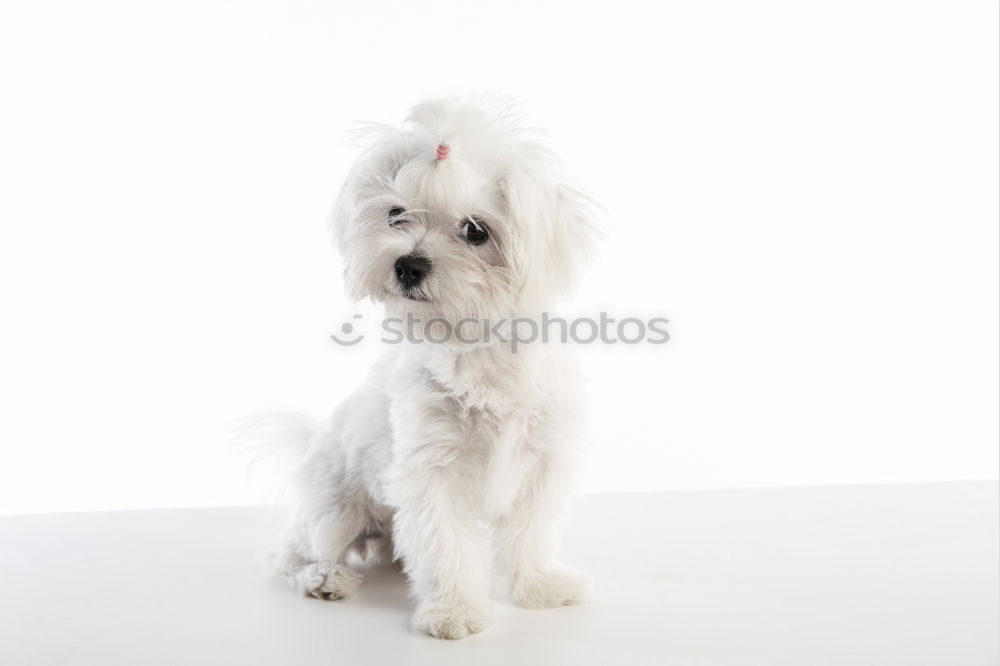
[(448, 444)]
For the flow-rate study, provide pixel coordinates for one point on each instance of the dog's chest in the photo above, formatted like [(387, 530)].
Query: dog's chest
[(499, 402), (504, 471)]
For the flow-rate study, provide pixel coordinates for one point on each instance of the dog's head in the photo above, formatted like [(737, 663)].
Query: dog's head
[(460, 213)]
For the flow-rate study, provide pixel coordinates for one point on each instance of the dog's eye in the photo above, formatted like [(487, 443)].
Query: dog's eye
[(395, 214), (475, 231)]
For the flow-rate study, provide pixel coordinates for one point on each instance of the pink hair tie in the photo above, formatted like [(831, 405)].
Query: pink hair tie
[(443, 151)]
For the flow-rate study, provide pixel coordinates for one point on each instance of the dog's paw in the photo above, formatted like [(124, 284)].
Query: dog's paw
[(457, 621), (328, 582), (560, 587)]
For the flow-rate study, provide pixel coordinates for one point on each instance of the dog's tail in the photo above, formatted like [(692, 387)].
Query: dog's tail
[(285, 435)]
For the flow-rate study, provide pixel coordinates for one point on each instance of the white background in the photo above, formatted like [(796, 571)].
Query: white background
[(807, 191)]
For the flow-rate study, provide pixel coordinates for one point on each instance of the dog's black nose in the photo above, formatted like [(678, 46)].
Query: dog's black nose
[(411, 269)]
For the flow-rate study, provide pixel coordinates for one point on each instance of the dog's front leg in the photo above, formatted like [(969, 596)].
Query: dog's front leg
[(525, 541), (437, 531)]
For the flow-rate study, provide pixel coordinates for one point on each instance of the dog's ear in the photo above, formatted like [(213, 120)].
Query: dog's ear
[(343, 211), (362, 205), (555, 233), (382, 155)]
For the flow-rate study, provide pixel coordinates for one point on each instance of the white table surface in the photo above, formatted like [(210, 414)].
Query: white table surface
[(873, 575)]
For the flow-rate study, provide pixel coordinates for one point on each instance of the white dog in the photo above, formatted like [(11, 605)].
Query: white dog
[(462, 216)]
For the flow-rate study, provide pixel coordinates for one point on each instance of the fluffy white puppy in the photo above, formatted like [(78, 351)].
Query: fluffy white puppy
[(459, 215)]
